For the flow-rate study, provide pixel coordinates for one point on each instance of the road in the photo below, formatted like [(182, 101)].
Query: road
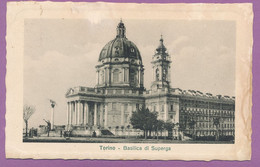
[(116, 140)]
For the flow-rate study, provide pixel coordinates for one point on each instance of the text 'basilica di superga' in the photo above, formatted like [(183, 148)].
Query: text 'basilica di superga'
[(120, 90)]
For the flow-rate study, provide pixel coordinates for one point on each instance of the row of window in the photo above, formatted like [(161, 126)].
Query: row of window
[(206, 111), (201, 118), (162, 108), (204, 104), (164, 74), (205, 125), (117, 76), (117, 106), (210, 125)]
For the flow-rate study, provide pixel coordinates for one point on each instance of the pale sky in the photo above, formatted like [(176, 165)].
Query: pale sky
[(60, 54)]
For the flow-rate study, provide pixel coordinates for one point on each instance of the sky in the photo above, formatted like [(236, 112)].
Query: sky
[(62, 53)]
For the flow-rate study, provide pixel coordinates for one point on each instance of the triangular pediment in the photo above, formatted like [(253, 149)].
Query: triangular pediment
[(70, 91)]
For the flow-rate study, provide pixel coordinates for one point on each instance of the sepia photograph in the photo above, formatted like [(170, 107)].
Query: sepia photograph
[(151, 81)]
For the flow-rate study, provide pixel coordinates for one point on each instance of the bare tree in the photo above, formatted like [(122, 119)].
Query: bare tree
[(27, 113)]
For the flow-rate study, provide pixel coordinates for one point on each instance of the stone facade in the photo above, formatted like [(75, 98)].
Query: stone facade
[(119, 91)]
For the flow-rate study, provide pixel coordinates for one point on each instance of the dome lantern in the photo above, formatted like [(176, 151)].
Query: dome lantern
[(121, 30)]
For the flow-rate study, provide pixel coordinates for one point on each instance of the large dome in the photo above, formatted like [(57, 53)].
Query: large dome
[(120, 47)]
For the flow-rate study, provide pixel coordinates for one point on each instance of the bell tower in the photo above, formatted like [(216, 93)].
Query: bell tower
[(161, 64)]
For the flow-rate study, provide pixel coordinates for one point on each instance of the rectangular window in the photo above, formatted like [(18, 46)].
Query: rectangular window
[(137, 106), (171, 107)]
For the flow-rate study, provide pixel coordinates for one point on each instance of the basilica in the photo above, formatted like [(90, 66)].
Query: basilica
[(119, 91)]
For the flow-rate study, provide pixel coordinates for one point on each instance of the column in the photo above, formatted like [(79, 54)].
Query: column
[(122, 115), (75, 112), (71, 113), (139, 77), (68, 113), (166, 111), (106, 75), (97, 77), (130, 110), (109, 75), (81, 112), (86, 113), (95, 114), (78, 112), (106, 115), (52, 117), (101, 114), (123, 75), (126, 74)]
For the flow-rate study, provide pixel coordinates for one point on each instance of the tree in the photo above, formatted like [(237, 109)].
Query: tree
[(27, 113), (159, 127), (144, 119), (168, 126)]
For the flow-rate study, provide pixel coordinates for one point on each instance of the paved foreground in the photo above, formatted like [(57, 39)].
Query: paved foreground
[(115, 140)]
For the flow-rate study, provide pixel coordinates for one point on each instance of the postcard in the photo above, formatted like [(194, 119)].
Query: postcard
[(129, 81)]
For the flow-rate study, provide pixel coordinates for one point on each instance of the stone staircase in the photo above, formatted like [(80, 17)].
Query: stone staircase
[(105, 132)]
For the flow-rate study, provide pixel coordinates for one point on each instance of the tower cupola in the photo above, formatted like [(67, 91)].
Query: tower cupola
[(161, 63)]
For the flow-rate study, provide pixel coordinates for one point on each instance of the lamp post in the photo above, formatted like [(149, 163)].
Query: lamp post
[(53, 104)]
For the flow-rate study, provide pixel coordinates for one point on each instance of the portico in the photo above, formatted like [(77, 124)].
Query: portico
[(83, 113)]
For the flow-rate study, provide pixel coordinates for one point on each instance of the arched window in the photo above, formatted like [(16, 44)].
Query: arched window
[(165, 73), (102, 77), (116, 76), (133, 77), (157, 74)]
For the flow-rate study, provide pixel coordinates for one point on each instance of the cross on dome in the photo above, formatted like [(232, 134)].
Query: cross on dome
[(161, 48)]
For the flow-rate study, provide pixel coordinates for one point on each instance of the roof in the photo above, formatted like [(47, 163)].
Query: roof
[(120, 46)]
